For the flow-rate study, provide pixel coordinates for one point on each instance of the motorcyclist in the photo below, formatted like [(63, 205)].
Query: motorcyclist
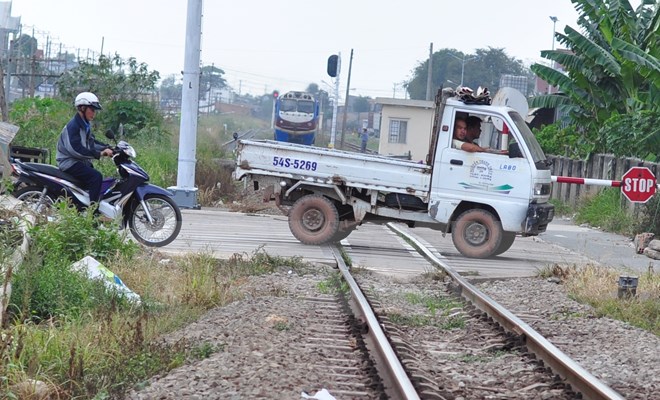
[(77, 146)]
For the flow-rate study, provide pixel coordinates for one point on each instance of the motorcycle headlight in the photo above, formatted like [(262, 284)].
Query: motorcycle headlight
[(130, 151)]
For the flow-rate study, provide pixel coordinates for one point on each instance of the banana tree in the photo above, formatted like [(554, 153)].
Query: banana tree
[(611, 66)]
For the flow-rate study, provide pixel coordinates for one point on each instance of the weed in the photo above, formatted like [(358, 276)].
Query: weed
[(281, 326), (561, 208), (452, 322), (416, 320), (205, 350), (604, 210), (345, 256), (432, 303), (556, 271), (333, 284)]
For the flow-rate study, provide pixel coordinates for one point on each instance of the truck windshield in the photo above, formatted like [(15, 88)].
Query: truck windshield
[(527, 135)]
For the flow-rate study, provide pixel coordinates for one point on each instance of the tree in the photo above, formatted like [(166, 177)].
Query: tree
[(484, 68), (322, 96), (171, 90), (110, 79), (210, 79), (122, 86), (611, 66), (361, 104)]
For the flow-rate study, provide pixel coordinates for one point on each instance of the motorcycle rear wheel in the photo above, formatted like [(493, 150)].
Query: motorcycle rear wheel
[(166, 221), (32, 197)]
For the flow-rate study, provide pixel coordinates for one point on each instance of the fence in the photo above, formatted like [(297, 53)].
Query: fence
[(600, 166)]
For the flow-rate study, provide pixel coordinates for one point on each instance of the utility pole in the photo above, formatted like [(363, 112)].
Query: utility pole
[(554, 31), (333, 131), (348, 86), (185, 192), (429, 76)]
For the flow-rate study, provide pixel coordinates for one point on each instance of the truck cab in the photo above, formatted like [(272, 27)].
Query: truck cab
[(509, 184)]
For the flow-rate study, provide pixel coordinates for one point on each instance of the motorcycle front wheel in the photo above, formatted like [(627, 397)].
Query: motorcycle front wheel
[(34, 199), (165, 225)]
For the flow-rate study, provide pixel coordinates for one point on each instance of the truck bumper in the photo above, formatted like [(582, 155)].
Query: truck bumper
[(538, 218)]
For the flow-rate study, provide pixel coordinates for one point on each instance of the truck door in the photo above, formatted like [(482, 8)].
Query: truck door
[(480, 177)]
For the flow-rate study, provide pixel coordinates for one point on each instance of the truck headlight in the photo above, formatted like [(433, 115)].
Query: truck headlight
[(542, 189)]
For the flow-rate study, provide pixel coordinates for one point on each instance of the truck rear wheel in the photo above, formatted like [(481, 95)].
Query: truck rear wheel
[(313, 219), (477, 234)]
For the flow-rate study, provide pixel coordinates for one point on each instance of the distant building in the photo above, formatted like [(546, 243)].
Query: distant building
[(518, 82), (8, 25), (405, 127)]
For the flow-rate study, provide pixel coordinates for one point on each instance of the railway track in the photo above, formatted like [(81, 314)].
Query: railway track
[(434, 366), (450, 341)]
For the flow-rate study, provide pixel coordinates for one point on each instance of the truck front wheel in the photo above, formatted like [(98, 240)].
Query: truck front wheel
[(507, 241), (313, 219), (477, 234)]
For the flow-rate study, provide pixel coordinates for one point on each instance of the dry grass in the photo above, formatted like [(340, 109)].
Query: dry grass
[(598, 286)]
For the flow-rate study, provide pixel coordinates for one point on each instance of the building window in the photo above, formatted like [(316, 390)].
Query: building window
[(398, 130)]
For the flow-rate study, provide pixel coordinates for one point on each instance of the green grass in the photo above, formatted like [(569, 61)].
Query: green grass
[(86, 342), (604, 211), (561, 208), (334, 284), (433, 303), (440, 312), (417, 320)]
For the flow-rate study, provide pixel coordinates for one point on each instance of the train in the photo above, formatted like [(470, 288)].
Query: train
[(296, 118)]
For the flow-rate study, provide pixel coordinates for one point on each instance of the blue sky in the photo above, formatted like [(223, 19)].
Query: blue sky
[(266, 45)]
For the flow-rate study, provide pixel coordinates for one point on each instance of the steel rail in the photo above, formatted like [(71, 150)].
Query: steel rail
[(579, 378), (402, 387)]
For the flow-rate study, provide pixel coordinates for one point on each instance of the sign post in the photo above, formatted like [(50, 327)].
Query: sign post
[(638, 184)]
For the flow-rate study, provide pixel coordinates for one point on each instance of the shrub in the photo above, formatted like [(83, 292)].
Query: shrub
[(632, 135), (135, 115), (40, 121), (46, 286), (563, 141), (649, 219)]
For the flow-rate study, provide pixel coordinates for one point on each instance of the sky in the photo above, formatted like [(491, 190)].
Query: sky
[(284, 45)]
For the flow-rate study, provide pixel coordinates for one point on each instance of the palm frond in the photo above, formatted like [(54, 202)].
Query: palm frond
[(564, 83), (588, 12), (594, 52), (650, 20), (569, 61), (647, 65), (549, 101)]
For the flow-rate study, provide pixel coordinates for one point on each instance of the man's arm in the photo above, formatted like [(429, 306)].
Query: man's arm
[(472, 148)]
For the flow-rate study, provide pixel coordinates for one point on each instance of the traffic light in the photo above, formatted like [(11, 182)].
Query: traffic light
[(275, 94), (333, 62)]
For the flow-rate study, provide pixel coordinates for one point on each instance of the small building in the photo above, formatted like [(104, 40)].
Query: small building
[(405, 127)]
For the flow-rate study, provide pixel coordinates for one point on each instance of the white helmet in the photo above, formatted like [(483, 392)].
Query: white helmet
[(88, 99)]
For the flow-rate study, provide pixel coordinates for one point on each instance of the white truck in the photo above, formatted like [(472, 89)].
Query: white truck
[(483, 199)]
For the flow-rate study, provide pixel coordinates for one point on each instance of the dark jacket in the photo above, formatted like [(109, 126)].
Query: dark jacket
[(77, 144)]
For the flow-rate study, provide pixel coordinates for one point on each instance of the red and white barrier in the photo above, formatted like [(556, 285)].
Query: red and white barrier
[(589, 181), (638, 184), (586, 181)]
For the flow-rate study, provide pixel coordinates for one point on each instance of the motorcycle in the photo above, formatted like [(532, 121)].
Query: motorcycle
[(149, 211)]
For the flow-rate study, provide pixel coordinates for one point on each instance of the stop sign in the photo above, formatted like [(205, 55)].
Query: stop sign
[(638, 184)]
